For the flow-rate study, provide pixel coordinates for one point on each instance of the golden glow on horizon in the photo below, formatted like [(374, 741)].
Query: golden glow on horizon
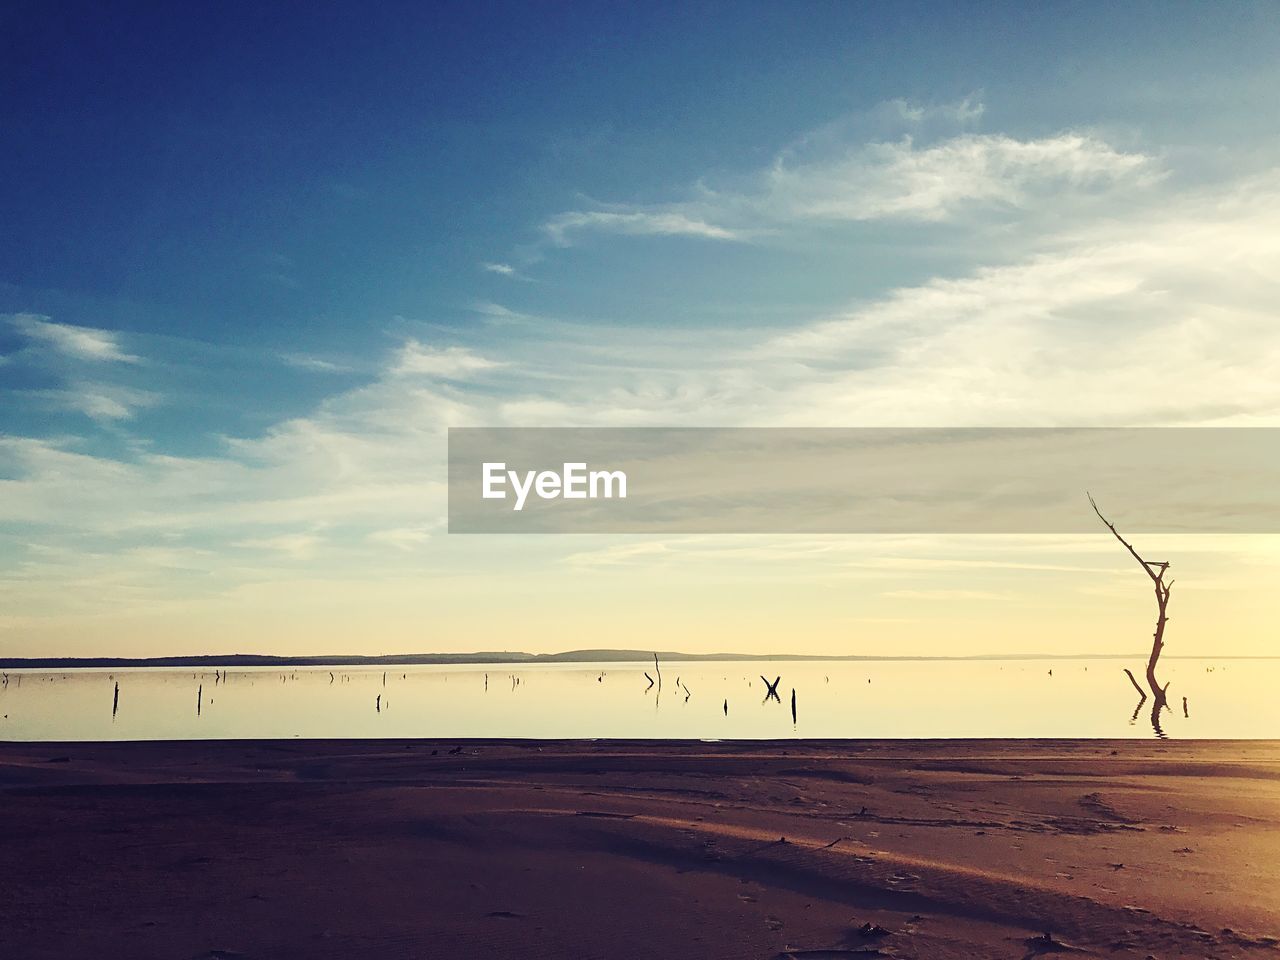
[(827, 596)]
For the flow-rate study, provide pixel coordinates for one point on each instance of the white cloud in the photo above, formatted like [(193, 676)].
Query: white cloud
[(666, 223), (316, 364), (1120, 323), (297, 545), (968, 110), (83, 343), (497, 313), (451, 363), (1163, 316), (100, 407), (103, 402), (1128, 323), (503, 269), (888, 181), (836, 174), (401, 538)]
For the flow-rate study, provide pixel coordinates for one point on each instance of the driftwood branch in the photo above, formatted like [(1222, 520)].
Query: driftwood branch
[(1137, 686), (1156, 571)]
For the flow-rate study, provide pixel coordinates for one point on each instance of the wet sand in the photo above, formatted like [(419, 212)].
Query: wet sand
[(618, 849)]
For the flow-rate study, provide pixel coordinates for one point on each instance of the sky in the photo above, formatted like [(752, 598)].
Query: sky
[(256, 259)]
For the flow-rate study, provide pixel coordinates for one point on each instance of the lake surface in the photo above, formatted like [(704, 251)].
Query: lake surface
[(834, 699)]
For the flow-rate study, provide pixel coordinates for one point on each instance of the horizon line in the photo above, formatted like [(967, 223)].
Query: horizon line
[(568, 656)]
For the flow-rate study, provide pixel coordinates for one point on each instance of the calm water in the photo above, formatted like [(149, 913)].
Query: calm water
[(1082, 698)]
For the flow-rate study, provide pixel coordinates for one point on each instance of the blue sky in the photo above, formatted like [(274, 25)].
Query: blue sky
[(256, 259)]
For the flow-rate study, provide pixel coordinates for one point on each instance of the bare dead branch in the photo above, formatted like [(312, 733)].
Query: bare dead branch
[(1156, 571), (1132, 679)]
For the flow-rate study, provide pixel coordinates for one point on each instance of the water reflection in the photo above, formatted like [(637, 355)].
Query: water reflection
[(907, 699), (1156, 707), (1159, 703), (771, 691), (1137, 710)]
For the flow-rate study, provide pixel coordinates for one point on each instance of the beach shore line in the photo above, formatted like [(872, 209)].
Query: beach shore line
[(616, 849)]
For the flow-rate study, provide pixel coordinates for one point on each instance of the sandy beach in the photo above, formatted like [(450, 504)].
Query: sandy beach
[(623, 849)]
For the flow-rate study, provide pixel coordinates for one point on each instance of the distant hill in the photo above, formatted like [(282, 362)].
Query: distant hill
[(499, 657)]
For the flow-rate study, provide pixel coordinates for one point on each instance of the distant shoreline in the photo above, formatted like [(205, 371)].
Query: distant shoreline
[(516, 657)]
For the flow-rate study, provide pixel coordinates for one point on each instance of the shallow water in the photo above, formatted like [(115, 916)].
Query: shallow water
[(834, 699)]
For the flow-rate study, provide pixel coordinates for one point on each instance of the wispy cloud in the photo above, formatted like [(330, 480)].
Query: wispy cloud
[(1117, 323), (665, 223), (497, 313), (1123, 323), (1163, 316), (82, 343), (507, 270), (104, 402), (316, 364), (968, 110), (401, 538), (831, 175), (888, 181), (450, 363), (297, 545)]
